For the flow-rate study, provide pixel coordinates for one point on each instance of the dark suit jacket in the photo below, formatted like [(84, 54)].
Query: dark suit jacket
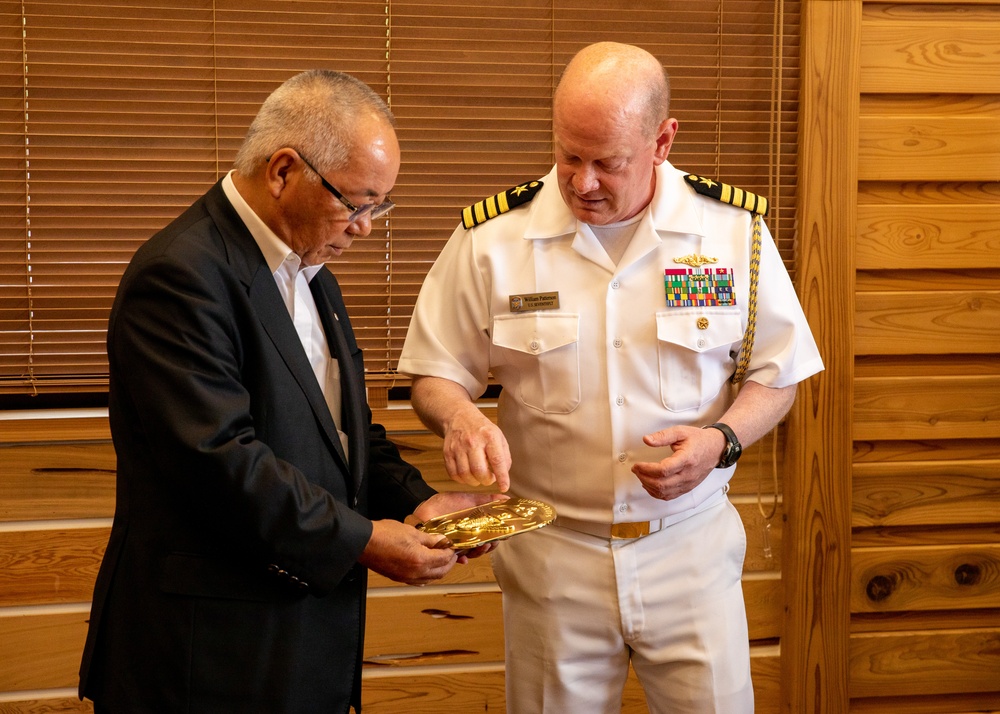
[(231, 582)]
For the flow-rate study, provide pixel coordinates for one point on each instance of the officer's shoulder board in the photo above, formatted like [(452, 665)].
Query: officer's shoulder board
[(493, 206), (728, 194)]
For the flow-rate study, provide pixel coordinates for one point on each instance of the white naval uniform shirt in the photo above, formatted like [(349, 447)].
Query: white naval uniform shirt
[(584, 382), (292, 279)]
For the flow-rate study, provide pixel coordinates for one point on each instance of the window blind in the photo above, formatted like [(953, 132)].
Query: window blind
[(115, 115)]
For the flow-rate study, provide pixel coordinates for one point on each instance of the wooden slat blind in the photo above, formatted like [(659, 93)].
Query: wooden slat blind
[(115, 115)]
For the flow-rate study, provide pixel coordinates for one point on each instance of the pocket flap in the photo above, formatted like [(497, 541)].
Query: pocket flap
[(536, 332), (699, 331)]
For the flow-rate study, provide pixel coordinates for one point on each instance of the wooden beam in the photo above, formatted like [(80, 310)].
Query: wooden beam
[(814, 657)]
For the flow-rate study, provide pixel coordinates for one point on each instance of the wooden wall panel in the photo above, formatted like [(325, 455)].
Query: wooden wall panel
[(935, 48), (57, 481), (925, 663), (46, 706), (944, 577), (43, 567), (928, 322), (434, 626), (54, 426), (764, 598), (904, 236), (915, 493), (41, 650), (945, 407), (925, 565), (389, 691), (975, 703), (929, 148)]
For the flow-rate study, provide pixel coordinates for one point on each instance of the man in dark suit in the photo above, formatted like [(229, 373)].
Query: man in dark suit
[(254, 491)]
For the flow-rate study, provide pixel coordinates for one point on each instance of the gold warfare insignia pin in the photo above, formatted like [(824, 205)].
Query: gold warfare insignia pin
[(696, 260), (491, 207), (728, 194)]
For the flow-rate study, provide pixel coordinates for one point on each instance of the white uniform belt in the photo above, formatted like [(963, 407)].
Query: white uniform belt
[(636, 529), (614, 531)]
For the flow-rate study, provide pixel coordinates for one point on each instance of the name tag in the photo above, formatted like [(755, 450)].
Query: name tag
[(534, 301)]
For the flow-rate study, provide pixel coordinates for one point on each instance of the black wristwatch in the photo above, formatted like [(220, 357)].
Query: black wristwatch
[(733, 449)]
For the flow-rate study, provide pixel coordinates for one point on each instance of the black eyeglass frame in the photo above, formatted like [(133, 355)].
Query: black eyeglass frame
[(374, 211)]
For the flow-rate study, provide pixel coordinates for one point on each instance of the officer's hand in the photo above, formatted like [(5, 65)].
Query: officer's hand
[(449, 502), (696, 452), (476, 451)]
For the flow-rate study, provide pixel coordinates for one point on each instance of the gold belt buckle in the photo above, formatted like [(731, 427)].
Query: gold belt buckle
[(630, 530)]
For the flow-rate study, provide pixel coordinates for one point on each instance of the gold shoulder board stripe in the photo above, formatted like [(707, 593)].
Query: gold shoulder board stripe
[(493, 206), (728, 194)]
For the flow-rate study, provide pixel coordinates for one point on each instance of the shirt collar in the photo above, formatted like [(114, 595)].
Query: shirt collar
[(670, 209), (276, 251)]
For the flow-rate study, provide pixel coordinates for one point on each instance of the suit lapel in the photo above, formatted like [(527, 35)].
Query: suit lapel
[(249, 263), (353, 397)]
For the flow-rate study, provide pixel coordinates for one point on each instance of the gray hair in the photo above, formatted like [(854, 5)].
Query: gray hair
[(657, 102), (313, 112)]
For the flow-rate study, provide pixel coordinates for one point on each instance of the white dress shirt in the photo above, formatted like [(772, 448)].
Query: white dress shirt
[(292, 279), (583, 381)]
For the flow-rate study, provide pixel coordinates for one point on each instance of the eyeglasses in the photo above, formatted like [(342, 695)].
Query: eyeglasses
[(374, 211)]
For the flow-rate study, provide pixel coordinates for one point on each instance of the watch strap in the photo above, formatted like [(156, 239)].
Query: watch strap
[(733, 447)]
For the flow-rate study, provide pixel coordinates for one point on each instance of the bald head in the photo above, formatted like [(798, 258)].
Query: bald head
[(615, 80), (610, 130)]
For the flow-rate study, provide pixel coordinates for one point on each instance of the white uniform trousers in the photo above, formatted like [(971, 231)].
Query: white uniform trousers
[(579, 608)]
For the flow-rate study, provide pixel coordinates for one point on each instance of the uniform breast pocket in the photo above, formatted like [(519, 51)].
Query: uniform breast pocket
[(694, 354), (538, 358)]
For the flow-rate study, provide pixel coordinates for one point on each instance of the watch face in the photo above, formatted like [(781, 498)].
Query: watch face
[(732, 453)]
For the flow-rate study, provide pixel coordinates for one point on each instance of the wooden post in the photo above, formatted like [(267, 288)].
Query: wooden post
[(816, 558)]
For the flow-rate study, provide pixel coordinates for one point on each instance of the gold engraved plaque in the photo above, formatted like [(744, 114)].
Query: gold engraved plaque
[(472, 527)]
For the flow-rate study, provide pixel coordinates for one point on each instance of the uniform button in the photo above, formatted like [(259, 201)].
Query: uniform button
[(617, 342), (615, 285), (272, 569), (622, 508), (622, 457), (620, 400), (702, 343), (534, 345)]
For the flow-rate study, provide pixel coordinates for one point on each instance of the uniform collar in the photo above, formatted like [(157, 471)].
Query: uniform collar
[(672, 211)]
